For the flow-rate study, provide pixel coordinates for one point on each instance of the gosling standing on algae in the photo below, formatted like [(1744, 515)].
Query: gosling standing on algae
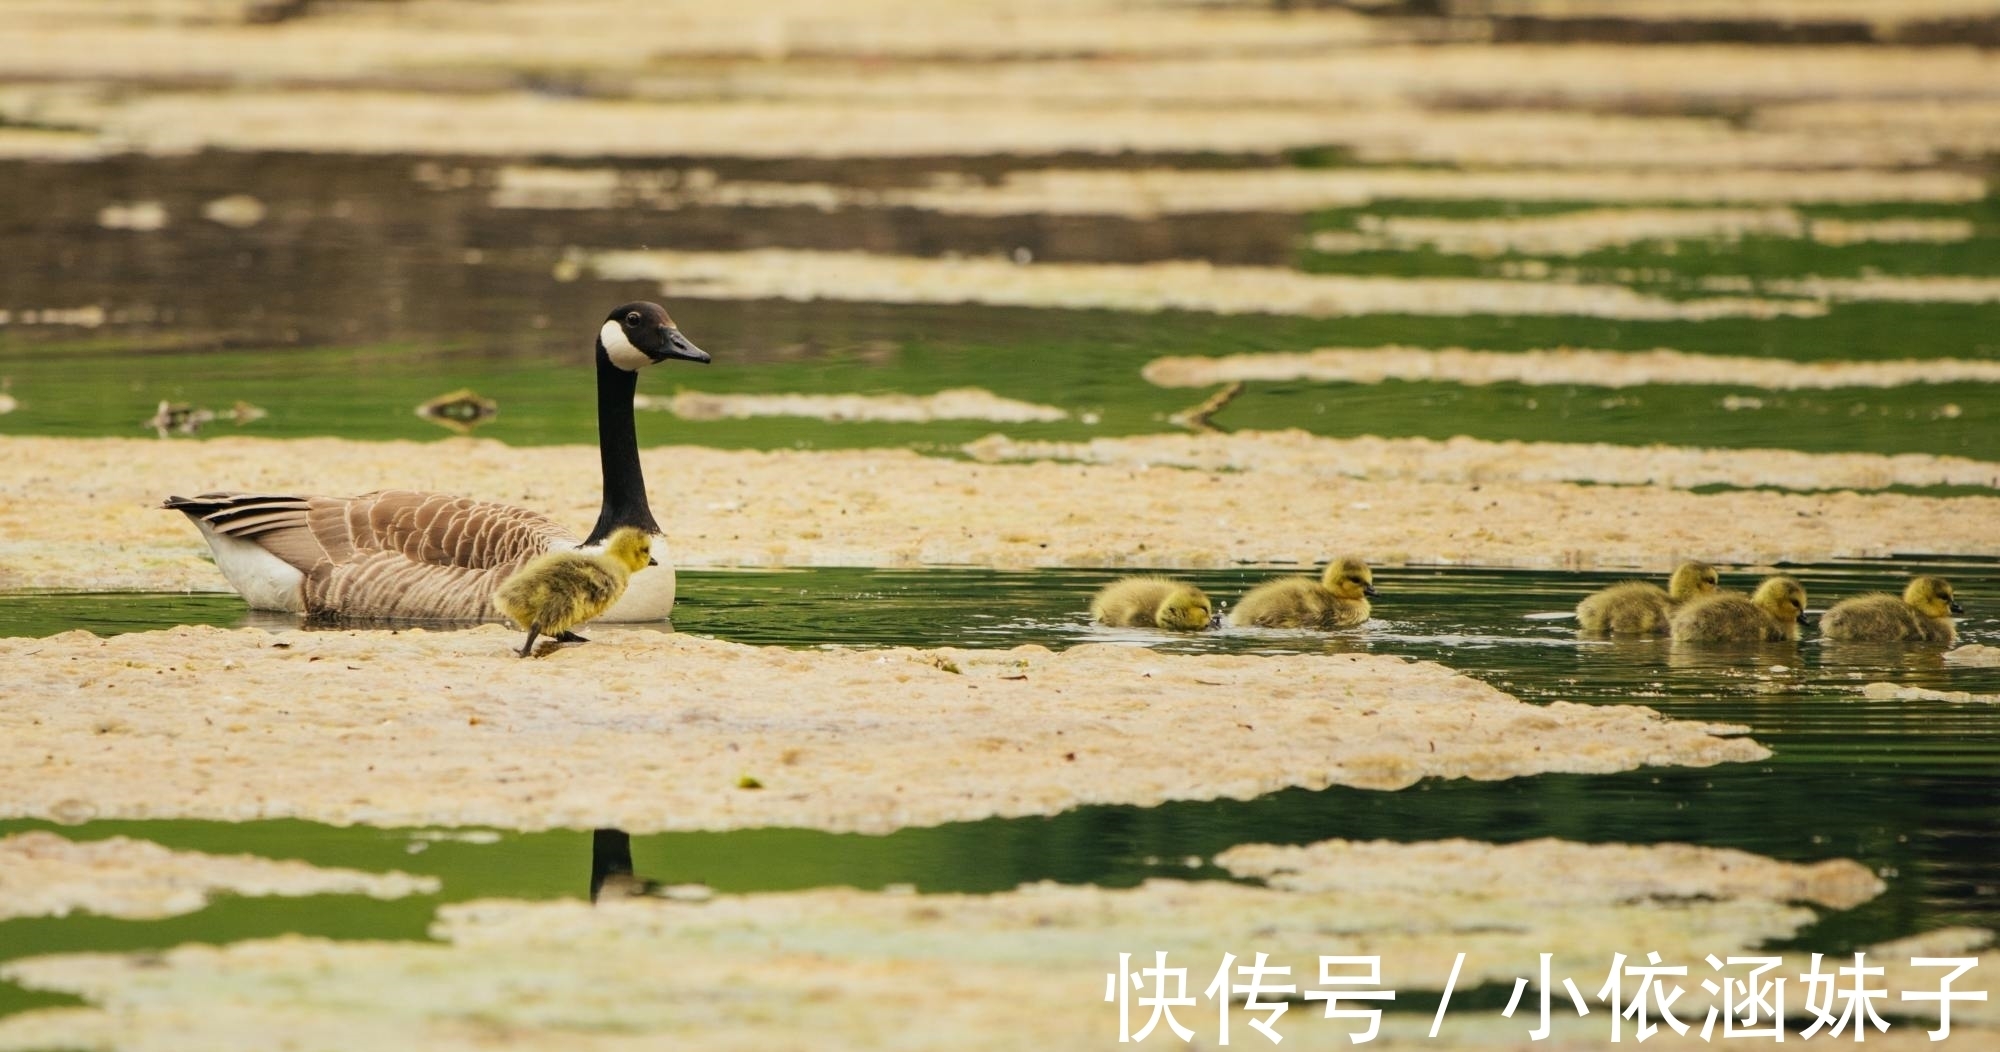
[(561, 590)]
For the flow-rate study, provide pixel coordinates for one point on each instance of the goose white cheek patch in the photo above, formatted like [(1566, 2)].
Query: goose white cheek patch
[(620, 350)]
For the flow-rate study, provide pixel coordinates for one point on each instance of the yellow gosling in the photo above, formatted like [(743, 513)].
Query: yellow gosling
[(1772, 615), (1641, 608), (1152, 602), (1922, 613), (561, 590), (1339, 599)]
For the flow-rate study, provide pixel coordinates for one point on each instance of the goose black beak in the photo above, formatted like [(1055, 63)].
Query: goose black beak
[(680, 347), (1368, 590), (1955, 608)]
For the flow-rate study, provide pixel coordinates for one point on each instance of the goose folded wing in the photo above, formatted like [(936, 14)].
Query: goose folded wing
[(435, 529)]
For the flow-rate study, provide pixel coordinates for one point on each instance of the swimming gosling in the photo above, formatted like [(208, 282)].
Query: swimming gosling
[(1339, 599), (1152, 602), (557, 591), (1641, 608), (1920, 614), (1772, 615)]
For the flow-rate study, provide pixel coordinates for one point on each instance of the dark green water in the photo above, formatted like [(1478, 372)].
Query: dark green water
[(1904, 786), (368, 293)]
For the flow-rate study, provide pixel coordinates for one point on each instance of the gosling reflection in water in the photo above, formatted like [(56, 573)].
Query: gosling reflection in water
[(612, 878)]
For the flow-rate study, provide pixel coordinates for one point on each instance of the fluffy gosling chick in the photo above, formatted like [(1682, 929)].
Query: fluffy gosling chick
[(1339, 599), (1641, 608), (1921, 614), (1772, 615), (557, 591), (1152, 602)]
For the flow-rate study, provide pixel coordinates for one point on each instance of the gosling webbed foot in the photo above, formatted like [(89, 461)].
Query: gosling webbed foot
[(570, 637)]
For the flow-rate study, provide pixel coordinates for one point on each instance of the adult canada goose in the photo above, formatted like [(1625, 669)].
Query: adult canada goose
[(432, 556), (1772, 615), (1339, 599), (1152, 602), (1641, 608), (1922, 613)]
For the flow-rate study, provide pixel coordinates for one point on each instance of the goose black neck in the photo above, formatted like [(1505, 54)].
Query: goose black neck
[(618, 451)]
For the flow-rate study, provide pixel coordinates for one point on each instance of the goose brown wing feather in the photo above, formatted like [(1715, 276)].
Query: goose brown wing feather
[(392, 553)]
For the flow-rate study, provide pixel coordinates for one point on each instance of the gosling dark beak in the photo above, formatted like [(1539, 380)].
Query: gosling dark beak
[(1368, 590), (1802, 618), (678, 346), (652, 562), (1955, 608)]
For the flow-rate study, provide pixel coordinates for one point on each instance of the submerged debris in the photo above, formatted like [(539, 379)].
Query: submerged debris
[(240, 211), (1200, 418), (134, 215), (179, 418), (182, 418), (462, 410)]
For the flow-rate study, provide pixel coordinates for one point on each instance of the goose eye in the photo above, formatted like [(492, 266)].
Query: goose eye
[(633, 318)]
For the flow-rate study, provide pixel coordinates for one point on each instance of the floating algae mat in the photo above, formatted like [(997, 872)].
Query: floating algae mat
[(628, 971)]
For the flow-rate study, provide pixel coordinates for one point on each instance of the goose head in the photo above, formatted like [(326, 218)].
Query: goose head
[(1186, 610), (1349, 578), (1932, 597), (639, 334), (631, 547), (1691, 579), (1782, 598)]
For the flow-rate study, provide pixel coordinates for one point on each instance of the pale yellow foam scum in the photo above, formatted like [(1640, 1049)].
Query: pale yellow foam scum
[(1561, 366), (1573, 75), (1479, 462), (897, 508), (515, 124), (1941, 289), (1898, 692), (959, 403), (867, 741), (1962, 127), (1577, 233), (1151, 192), (622, 38), (1974, 654), (1188, 285), (1788, 10), (45, 875), (846, 969)]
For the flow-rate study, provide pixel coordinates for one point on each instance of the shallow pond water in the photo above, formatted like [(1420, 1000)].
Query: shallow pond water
[(1903, 786), (371, 289)]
